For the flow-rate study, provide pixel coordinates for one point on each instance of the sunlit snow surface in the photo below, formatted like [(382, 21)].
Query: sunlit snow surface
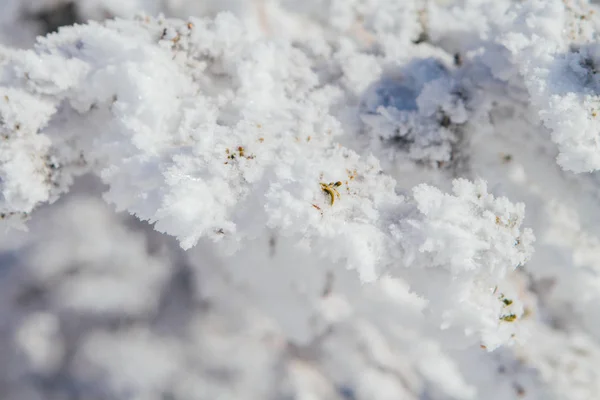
[(457, 130)]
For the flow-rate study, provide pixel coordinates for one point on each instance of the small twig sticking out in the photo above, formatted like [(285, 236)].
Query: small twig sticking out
[(330, 189)]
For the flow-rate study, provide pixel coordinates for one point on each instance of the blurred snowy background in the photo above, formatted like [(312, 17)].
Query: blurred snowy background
[(97, 305)]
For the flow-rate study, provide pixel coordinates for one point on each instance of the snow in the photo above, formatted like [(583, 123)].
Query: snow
[(273, 199)]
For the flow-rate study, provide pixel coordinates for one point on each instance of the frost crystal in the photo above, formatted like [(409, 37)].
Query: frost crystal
[(314, 200)]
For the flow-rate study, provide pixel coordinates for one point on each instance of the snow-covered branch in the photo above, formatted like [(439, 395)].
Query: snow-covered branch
[(349, 180)]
